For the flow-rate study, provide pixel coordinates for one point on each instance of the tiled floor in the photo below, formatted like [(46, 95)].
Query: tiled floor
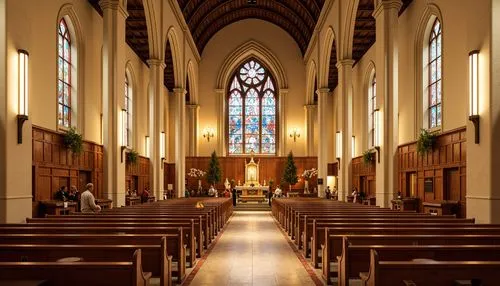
[(252, 251)]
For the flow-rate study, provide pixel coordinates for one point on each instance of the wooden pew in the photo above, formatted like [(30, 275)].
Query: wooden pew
[(79, 273), (333, 252), (154, 257), (435, 273), (175, 248), (356, 258)]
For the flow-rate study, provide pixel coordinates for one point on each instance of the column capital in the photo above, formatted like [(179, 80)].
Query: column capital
[(381, 5), (283, 91), (180, 90), (156, 62), (345, 63), (114, 5), (193, 106), (323, 90), (310, 106), (219, 90)]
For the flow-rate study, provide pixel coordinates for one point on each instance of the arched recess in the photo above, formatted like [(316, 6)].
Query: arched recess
[(191, 81), (311, 82), (251, 49), (132, 78), (78, 47), (328, 76), (431, 12), (154, 35), (172, 46), (370, 72), (345, 50)]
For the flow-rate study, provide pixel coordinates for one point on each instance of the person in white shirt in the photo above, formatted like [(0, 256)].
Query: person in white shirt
[(87, 200), (277, 192)]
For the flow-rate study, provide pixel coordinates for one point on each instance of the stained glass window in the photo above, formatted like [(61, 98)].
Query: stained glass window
[(64, 75), (128, 117), (252, 110), (434, 68), (372, 101)]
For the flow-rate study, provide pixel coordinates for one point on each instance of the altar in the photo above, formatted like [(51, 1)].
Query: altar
[(252, 190)]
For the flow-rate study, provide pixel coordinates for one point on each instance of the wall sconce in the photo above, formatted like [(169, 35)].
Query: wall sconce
[(295, 134), (376, 143), (146, 147), (474, 92), (124, 133), (162, 148), (22, 115), (208, 133), (338, 145), (353, 146)]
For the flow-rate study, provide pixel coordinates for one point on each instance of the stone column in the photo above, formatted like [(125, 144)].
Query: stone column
[(386, 15), (193, 113), (180, 147), (15, 159), (323, 150), (310, 113), (282, 148), (221, 121), (114, 15), (344, 124), (156, 125)]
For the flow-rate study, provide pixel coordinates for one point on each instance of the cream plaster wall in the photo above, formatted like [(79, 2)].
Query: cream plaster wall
[(287, 52)]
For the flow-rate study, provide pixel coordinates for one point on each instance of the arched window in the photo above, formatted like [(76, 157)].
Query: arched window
[(372, 101), (128, 111), (434, 70), (64, 68), (252, 110)]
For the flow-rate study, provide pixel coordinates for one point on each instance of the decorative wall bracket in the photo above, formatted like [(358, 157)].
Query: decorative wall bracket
[(122, 150), (377, 148), (475, 121), (20, 122)]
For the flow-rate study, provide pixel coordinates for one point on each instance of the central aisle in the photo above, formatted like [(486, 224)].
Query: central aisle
[(252, 251)]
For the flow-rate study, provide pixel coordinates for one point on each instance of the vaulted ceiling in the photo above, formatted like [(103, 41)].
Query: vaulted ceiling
[(207, 17)]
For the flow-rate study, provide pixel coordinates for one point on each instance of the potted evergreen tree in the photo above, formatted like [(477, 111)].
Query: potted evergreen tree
[(214, 173), (290, 172)]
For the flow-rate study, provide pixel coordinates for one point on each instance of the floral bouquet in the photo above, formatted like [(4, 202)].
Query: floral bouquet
[(309, 173), (196, 173)]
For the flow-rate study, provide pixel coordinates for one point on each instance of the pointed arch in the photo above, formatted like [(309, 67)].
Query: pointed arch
[(428, 18), (131, 106), (370, 103), (345, 50), (68, 14), (247, 50), (172, 39), (192, 79), (312, 79), (154, 35), (329, 47)]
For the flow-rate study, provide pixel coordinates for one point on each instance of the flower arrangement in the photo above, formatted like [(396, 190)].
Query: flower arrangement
[(309, 173), (196, 173)]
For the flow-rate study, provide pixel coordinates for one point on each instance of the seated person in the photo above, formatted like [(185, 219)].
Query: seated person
[(73, 195), (62, 194), (355, 194), (145, 195), (277, 192), (328, 193), (87, 200)]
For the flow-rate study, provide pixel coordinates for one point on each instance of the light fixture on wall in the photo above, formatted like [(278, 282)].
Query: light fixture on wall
[(124, 134), (338, 146), (376, 137), (146, 147), (208, 133), (474, 92), (353, 146), (162, 148), (23, 99), (295, 134)]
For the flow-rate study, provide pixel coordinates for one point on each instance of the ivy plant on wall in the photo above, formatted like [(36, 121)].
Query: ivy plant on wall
[(73, 140), (425, 142)]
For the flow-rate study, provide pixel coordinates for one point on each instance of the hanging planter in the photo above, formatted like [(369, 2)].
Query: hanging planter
[(73, 141), (132, 157), (425, 142), (368, 157)]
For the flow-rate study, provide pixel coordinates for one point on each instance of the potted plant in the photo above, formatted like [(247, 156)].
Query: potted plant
[(290, 172), (132, 156), (73, 141), (425, 142), (368, 157), (214, 173)]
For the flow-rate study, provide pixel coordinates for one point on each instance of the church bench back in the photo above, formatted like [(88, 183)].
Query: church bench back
[(424, 273), (79, 273), (356, 258), (154, 257)]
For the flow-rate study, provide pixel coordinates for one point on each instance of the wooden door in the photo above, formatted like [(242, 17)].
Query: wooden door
[(371, 188), (83, 180), (362, 185), (452, 185), (411, 185)]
